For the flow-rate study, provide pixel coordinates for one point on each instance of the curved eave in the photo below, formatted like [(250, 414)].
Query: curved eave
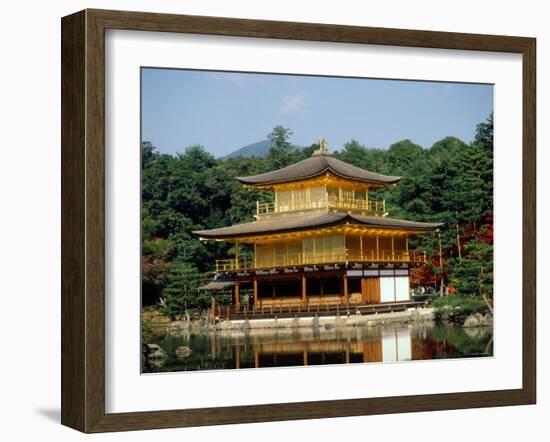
[(299, 224), (396, 224), (272, 226), (249, 182), (316, 166)]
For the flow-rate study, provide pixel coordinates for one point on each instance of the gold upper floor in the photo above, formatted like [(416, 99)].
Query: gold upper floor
[(326, 192), (329, 248)]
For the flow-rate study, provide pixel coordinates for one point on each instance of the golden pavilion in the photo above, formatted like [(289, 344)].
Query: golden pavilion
[(321, 246)]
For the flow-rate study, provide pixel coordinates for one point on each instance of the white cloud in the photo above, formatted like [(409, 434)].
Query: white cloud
[(292, 104)]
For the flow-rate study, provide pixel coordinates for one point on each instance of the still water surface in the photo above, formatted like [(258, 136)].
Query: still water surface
[(318, 346)]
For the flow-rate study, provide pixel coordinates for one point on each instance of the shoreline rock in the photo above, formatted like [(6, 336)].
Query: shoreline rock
[(478, 320)]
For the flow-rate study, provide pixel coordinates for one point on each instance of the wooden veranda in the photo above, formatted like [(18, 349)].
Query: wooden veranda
[(293, 310)]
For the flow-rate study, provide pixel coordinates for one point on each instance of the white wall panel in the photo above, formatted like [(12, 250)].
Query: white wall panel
[(402, 288), (387, 290)]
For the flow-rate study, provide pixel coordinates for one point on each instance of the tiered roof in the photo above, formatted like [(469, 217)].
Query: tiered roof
[(294, 223), (315, 166)]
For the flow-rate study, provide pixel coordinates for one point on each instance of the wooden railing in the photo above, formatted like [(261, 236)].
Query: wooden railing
[(299, 308), (373, 207), (336, 256), (376, 208), (225, 265)]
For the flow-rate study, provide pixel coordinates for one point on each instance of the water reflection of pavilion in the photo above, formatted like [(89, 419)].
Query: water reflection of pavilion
[(316, 345), (307, 347)]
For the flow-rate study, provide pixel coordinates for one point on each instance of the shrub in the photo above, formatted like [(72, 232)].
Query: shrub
[(455, 308)]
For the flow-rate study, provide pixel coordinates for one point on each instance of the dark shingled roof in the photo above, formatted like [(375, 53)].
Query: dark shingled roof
[(314, 166), (216, 285), (299, 222)]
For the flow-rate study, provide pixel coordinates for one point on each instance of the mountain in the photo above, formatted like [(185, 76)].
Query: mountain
[(258, 149)]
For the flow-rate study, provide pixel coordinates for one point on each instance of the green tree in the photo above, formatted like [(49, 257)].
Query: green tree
[(155, 268), (181, 291), (147, 153), (281, 153), (367, 158), (402, 156), (484, 133), (472, 276)]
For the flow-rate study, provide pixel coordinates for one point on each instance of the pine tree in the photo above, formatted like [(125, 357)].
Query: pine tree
[(181, 291), (281, 153), (473, 275)]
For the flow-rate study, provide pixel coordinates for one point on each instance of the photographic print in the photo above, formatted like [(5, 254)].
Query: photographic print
[(297, 220)]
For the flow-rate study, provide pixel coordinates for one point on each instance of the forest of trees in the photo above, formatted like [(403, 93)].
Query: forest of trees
[(450, 182)]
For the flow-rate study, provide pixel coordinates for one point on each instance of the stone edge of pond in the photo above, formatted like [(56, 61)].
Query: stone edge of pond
[(377, 319)]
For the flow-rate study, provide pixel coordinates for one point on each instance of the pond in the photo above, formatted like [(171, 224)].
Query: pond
[(317, 346)]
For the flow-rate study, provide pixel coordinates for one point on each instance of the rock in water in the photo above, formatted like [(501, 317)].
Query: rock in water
[(475, 320), (156, 352), (183, 352)]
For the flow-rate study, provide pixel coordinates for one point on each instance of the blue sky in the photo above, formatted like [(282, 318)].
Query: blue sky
[(226, 111)]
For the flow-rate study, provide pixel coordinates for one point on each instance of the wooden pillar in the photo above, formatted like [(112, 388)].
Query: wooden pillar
[(238, 356), (377, 248), (364, 290), (305, 356), (255, 291), (304, 288), (237, 295), (346, 294), (213, 308), (361, 245), (392, 249), (256, 358), (272, 290)]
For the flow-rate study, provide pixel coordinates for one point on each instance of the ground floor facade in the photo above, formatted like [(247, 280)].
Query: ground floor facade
[(317, 289)]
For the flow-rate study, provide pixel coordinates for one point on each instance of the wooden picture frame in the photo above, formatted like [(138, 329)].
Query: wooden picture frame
[(83, 220)]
